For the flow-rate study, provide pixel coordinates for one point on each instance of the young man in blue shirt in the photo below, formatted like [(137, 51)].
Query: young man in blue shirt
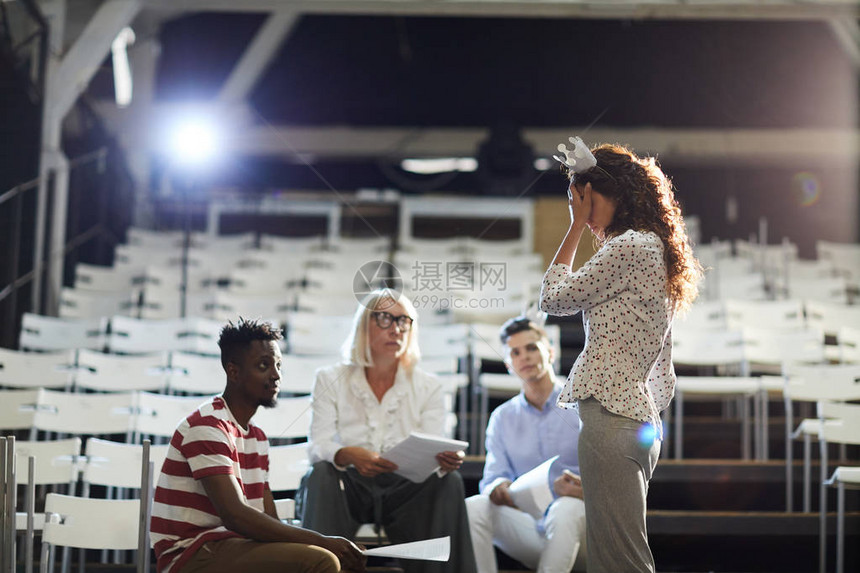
[(522, 433)]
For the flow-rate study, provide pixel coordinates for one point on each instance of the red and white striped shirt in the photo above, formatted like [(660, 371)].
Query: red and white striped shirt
[(208, 442)]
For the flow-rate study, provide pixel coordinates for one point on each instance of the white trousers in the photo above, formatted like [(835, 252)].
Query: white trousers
[(515, 532)]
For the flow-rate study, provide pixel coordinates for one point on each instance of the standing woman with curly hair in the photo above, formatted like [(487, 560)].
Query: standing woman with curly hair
[(629, 291)]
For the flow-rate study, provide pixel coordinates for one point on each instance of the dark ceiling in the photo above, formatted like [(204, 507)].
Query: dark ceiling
[(340, 70)]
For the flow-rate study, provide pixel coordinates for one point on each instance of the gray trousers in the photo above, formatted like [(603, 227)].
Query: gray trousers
[(337, 503), (616, 466)]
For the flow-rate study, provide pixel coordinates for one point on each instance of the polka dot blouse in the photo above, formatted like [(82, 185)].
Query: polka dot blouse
[(627, 360)]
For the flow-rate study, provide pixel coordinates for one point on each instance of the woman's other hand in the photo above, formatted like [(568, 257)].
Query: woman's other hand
[(579, 203)]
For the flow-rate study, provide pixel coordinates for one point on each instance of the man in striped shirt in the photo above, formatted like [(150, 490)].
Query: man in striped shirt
[(213, 510)]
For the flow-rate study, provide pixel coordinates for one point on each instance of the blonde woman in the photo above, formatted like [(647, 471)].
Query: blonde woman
[(628, 293), (361, 408)]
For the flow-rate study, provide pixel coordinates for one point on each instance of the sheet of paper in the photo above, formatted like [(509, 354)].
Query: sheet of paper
[(438, 549), (531, 491), (416, 455)]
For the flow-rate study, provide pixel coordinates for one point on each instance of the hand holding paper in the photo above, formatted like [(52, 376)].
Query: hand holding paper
[(416, 455), (438, 549), (568, 484)]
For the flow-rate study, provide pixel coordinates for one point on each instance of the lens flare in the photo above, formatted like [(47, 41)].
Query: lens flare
[(805, 188), (647, 435)]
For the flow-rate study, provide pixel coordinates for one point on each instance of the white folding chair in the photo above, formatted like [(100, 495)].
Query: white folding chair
[(46, 333), (291, 244), (269, 307), (454, 383), (36, 370), (200, 335), (704, 315), (18, 408), (708, 349), (833, 382), (329, 303), (289, 420), (496, 386), (195, 374), (317, 334), (774, 314), (121, 373), (299, 372), (746, 389), (158, 415), (106, 279), (86, 523), (845, 430), (849, 344), (116, 465), (90, 304), (137, 236), (44, 463), (287, 465), (141, 336), (83, 414), (845, 258)]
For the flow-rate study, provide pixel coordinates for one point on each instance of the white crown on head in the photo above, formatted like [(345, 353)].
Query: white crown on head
[(579, 159)]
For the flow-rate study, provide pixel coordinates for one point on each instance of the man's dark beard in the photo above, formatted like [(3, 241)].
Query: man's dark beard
[(270, 402)]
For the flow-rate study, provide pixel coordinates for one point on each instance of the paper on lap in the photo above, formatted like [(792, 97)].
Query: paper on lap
[(438, 549), (415, 456), (531, 491)]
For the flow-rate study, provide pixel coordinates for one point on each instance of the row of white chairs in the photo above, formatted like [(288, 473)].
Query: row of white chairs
[(134, 415), (76, 522)]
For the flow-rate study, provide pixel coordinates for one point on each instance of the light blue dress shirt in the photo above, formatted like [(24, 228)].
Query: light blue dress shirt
[(521, 437)]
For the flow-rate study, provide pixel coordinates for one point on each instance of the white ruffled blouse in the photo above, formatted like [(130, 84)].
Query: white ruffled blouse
[(627, 360), (346, 412)]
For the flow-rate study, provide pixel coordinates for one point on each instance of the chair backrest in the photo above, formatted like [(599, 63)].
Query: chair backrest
[(444, 341), (142, 336), (849, 344), (91, 523), (783, 347), (159, 415), (46, 333), (36, 370), (18, 408), (257, 281), (105, 279), (287, 465), (200, 335), (83, 414), (330, 303), (57, 461), (299, 372), (839, 382), (315, 334), (829, 289), (291, 418), (506, 384), (119, 373), (118, 464), (707, 347), (90, 304), (846, 429), (845, 258), (291, 244), (774, 314), (195, 374), (268, 307), (704, 315), (831, 317)]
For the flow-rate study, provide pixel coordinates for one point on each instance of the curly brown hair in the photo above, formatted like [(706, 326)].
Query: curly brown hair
[(645, 201)]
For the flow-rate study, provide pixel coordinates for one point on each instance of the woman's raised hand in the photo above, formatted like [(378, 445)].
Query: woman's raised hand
[(579, 203)]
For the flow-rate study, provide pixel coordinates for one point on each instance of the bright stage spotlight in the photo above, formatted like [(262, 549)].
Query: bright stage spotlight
[(193, 142)]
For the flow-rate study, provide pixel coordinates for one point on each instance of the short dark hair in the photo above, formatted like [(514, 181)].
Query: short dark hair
[(237, 337), (519, 324)]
